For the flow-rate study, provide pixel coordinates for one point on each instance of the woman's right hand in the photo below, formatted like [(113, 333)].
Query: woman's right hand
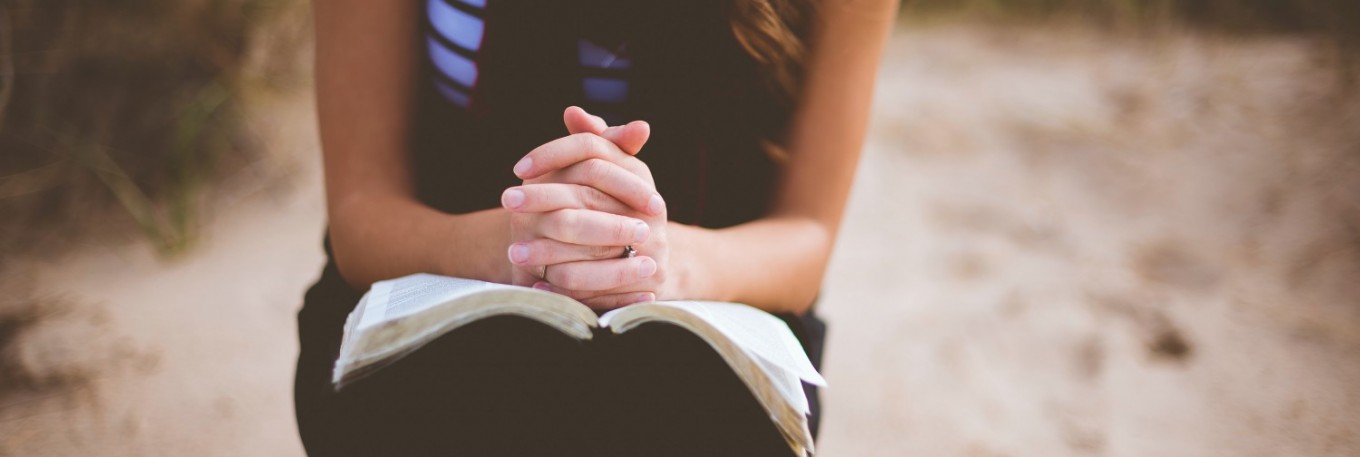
[(587, 211)]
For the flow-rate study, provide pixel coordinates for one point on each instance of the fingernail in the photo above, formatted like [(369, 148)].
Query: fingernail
[(656, 205), (646, 297), (542, 286), (646, 268), (513, 198), (519, 253), (640, 232), (523, 166)]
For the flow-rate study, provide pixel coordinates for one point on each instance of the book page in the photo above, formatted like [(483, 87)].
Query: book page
[(787, 384), (758, 332), (394, 298), (398, 316)]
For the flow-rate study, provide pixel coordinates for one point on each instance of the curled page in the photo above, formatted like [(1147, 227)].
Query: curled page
[(757, 332), (394, 298)]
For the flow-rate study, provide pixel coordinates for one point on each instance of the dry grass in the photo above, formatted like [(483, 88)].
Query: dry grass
[(1062, 242), (127, 111), (124, 111)]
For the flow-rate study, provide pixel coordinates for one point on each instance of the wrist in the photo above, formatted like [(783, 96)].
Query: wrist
[(690, 278), (445, 260), (471, 245)]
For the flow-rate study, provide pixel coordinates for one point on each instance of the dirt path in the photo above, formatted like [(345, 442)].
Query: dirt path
[(1071, 244), (135, 356), (1059, 244)]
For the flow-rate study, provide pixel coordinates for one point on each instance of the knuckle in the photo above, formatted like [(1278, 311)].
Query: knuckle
[(564, 222), (540, 194), (595, 170), (548, 197), (642, 191), (600, 252), (637, 166), (586, 142), (585, 227), (623, 232), (592, 198), (598, 145), (568, 278), (561, 277)]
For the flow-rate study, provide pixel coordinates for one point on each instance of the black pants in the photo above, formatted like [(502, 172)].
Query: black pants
[(512, 386)]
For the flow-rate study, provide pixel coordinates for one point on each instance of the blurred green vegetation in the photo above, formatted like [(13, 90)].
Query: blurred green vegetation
[(126, 111), (118, 108)]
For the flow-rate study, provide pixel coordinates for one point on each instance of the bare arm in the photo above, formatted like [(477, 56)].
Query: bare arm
[(790, 248), (365, 60)]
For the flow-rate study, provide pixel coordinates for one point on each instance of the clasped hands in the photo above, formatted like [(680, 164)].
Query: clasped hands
[(584, 198)]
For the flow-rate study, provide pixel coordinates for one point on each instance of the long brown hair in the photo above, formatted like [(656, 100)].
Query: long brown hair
[(775, 34)]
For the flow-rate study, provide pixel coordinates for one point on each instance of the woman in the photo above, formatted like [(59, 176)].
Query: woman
[(730, 188)]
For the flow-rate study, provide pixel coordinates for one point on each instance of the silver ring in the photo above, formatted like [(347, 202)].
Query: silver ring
[(628, 252), (543, 272)]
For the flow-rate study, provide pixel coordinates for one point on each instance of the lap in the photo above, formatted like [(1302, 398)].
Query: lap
[(512, 386)]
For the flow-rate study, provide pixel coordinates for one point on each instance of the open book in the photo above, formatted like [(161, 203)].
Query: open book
[(398, 316)]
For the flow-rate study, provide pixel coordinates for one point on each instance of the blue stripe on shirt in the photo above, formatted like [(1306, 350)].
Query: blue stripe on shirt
[(454, 66), (458, 27)]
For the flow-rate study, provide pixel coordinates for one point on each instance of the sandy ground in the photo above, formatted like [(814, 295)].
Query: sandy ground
[(1061, 243)]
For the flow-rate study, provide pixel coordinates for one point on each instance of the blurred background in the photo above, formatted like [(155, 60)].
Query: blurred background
[(1102, 227)]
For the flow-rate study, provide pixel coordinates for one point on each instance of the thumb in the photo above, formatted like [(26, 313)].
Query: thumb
[(579, 121), (629, 137)]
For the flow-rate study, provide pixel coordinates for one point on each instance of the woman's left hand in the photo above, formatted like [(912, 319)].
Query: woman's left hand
[(587, 167)]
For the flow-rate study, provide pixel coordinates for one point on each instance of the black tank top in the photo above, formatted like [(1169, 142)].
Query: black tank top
[(682, 71), (486, 99), (685, 74)]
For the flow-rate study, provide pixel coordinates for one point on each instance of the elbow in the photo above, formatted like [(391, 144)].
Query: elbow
[(819, 240), (803, 297), (801, 302), (348, 262), (346, 240)]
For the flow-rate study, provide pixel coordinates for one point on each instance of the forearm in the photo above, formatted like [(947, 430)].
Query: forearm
[(380, 237), (775, 264)]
